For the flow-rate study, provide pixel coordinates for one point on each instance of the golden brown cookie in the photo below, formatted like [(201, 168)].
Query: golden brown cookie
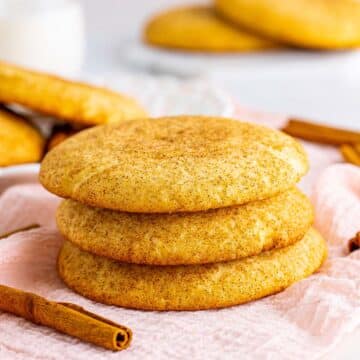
[(321, 24), (20, 142), (188, 238), (71, 101), (192, 287), (173, 164), (200, 28)]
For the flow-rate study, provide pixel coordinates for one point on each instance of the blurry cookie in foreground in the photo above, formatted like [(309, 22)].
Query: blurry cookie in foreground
[(188, 238), (68, 100), (174, 164), (192, 287), (318, 24), (200, 28), (20, 142)]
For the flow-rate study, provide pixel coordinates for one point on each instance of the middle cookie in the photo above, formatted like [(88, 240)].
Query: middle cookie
[(188, 238)]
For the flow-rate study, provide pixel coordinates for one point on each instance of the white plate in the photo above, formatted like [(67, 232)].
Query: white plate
[(280, 62), (321, 86)]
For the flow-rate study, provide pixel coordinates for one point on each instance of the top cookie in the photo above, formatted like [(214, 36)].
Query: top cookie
[(173, 164), (199, 28), (71, 101), (321, 24)]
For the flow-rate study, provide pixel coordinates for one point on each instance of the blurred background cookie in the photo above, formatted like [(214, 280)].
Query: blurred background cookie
[(199, 28), (318, 24), (20, 142), (72, 101)]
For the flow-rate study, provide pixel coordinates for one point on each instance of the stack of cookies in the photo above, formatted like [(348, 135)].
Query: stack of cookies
[(182, 213)]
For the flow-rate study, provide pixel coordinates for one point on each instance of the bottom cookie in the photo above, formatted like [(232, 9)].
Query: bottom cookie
[(192, 287)]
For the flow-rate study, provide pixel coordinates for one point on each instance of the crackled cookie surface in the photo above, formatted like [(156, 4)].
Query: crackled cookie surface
[(20, 142), (68, 100), (200, 28), (173, 164), (188, 238), (191, 287), (319, 24)]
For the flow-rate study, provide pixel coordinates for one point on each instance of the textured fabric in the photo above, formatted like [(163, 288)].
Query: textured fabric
[(305, 321)]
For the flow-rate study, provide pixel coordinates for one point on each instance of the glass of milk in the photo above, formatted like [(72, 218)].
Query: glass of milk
[(45, 35)]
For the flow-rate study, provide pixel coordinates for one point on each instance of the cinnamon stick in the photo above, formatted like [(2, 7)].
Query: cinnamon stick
[(357, 147), (59, 134), (354, 243), (66, 318), (351, 153), (320, 133)]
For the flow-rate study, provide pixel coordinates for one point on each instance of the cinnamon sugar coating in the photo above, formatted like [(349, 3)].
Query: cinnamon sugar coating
[(174, 164), (20, 142), (188, 238), (191, 287)]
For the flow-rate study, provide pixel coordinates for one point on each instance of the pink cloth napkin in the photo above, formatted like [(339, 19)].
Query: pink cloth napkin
[(305, 321)]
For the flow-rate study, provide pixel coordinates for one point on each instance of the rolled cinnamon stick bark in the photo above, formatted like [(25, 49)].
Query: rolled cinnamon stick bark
[(59, 134), (320, 133), (350, 154), (354, 243), (67, 318)]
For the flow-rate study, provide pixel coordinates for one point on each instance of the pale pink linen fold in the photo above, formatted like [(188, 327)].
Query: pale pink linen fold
[(305, 321)]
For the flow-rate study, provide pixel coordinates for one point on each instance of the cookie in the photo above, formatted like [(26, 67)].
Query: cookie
[(200, 28), (319, 24), (192, 287), (188, 238), (173, 164), (71, 101), (20, 142)]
